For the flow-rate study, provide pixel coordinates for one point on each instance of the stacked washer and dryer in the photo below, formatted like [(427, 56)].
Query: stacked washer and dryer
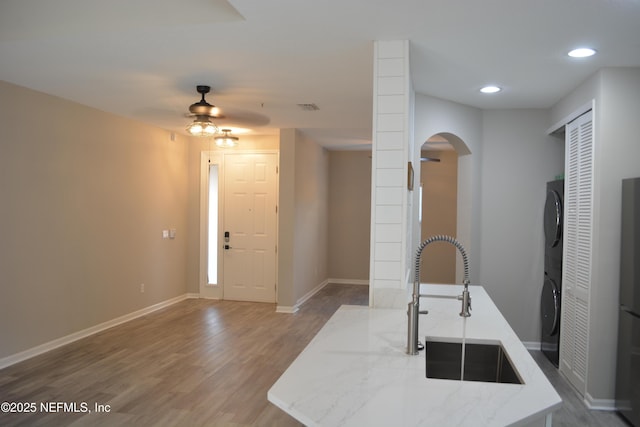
[(551, 295)]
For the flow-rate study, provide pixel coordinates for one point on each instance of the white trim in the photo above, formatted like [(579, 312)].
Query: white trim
[(599, 404), (286, 309), (364, 282), (59, 342)]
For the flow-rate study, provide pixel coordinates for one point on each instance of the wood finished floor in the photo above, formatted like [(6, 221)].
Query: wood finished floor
[(199, 363)]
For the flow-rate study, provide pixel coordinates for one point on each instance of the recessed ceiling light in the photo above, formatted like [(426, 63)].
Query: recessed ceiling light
[(583, 52), (490, 89)]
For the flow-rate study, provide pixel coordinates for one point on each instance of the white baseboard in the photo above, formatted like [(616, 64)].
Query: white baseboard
[(302, 300), (349, 282), (599, 404), (311, 293), (286, 309), (68, 339)]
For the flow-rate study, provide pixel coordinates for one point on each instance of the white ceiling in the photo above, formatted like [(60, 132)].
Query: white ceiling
[(143, 58)]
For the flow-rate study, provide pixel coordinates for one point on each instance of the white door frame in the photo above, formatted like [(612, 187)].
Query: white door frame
[(216, 291)]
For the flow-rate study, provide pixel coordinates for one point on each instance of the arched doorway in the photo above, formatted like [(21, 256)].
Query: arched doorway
[(438, 205)]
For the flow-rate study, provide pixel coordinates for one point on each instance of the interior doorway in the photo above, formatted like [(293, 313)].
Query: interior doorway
[(438, 207)]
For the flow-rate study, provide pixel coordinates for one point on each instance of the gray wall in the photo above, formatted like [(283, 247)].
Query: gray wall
[(311, 222), (518, 158), (84, 196), (286, 218), (303, 217), (349, 214)]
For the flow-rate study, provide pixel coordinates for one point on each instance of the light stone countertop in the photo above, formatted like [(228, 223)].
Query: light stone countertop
[(355, 371)]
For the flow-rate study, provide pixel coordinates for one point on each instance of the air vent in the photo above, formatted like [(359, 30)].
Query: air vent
[(308, 107)]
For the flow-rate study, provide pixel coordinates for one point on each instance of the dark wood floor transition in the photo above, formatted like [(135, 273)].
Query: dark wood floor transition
[(196, 363)]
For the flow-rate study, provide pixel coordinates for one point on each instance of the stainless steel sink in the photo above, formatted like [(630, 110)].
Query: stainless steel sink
[(486, 362)]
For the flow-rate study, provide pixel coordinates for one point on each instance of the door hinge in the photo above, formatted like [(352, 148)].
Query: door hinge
[(277, 170), (276, 248), (276, 208)]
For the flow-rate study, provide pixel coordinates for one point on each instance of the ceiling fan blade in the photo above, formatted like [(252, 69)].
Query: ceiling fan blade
[(239, 117)]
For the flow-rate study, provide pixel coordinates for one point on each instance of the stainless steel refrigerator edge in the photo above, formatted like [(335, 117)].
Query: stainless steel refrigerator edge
[(628, 364)]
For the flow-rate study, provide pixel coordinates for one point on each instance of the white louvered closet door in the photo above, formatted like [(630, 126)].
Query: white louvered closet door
[(578, 241)]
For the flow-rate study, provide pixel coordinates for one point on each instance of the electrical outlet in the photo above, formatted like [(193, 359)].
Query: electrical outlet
[(141, 288)]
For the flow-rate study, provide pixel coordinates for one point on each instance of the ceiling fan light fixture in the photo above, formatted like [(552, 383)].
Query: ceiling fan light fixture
[(202, 126), (226, 140)]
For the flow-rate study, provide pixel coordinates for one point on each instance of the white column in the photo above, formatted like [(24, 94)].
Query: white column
[(390, 199)]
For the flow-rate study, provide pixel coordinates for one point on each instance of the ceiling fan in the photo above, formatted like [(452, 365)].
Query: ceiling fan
[(203, 112)]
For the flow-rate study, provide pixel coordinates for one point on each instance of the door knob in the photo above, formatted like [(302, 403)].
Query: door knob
[(227, 247)]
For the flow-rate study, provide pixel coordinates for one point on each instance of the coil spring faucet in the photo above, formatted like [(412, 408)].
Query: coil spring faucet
[(413, 310)]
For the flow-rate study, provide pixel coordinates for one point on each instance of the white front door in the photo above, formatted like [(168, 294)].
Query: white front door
[(250, 221)]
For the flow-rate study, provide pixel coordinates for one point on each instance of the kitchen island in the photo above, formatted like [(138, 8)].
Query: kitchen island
[(355, 371)]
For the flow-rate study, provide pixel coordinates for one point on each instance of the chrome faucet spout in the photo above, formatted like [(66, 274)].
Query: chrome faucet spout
[(413, 310)]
